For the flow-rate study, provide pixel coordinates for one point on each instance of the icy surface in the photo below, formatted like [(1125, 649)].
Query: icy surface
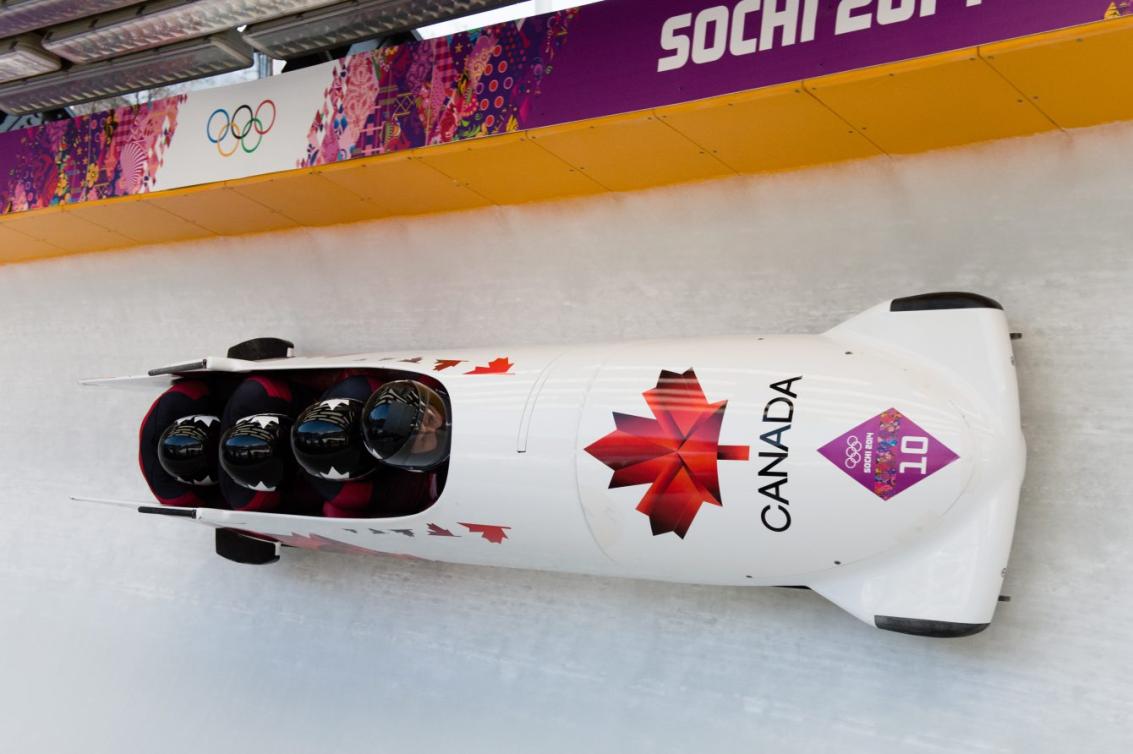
[(123, 633)]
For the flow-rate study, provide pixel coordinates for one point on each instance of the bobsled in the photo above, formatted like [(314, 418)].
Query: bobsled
[(878, 464)]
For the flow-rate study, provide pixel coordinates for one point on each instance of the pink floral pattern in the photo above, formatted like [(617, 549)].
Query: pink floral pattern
[(97, 156), (437, 91)]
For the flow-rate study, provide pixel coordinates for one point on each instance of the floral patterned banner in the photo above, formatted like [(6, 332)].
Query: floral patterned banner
[(115, 153), (440, 90), (612, 57)]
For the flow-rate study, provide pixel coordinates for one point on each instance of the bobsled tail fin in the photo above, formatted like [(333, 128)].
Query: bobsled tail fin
[(111, 502), (139, 506), (945, 582), (144, 382), (163, 377)]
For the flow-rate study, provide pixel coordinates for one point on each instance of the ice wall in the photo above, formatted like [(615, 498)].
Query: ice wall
[(122, 633)]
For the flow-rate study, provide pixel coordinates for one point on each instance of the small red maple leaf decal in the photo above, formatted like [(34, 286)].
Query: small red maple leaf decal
[(494, 534), (443, 364), (495, 366), (439, 531), (675, 452)]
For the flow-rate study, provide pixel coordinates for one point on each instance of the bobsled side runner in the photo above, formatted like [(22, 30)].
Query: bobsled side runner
[(878, 464)]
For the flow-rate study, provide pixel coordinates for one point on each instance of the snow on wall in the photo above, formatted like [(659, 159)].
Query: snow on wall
[(122, 633)]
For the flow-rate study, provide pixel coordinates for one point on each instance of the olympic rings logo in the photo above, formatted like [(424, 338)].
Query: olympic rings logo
[(240, 128), (853, 452)]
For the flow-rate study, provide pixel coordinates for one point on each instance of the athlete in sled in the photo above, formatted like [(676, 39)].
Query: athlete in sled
[(878, 464)]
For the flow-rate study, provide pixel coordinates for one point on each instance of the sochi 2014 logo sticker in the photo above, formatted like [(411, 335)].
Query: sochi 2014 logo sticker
[(675, 452), (888, 453), (242, 129)]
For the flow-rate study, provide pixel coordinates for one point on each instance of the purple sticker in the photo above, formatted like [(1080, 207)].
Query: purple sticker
[(888, 454)]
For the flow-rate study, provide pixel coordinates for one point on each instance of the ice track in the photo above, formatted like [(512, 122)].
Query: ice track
[(123, 633)]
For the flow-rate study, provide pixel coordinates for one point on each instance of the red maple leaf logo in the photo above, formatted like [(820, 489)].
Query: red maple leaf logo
[(443, 364), (495, 366), (494, 534), (675, 452)]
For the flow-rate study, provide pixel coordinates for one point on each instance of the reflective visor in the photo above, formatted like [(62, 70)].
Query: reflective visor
[(406, 425)]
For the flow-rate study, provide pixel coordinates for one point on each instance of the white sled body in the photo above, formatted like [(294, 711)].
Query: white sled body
[(878, 464)]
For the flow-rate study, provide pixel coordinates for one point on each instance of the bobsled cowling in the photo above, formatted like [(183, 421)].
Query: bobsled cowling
[(878, 463)]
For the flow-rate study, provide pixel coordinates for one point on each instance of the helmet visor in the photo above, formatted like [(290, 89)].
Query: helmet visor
[(327, 442), (254, 451), (187, 449), (406, 425)]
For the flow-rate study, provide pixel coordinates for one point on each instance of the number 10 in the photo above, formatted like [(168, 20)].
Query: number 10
[(915, 446)]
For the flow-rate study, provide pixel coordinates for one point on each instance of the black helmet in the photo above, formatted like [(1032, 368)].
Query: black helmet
[(187, 449), (327, 443), (254, 451), (406, 425)]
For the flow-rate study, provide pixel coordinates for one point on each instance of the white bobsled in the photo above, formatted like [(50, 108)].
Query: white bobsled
[(878, 464)]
